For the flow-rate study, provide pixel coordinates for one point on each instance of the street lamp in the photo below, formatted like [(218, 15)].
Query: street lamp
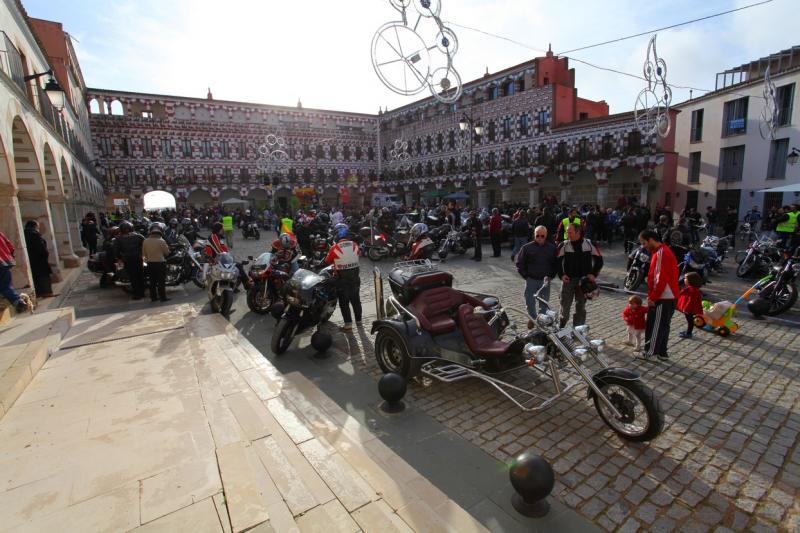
[(793, 157), (468, 122), (52, 89)]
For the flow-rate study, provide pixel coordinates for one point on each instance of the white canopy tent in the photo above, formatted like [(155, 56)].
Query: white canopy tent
[(795, 187), (232, 201), (156, 200)]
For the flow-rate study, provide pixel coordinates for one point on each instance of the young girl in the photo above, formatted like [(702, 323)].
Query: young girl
[(635, 315), (690, 302)]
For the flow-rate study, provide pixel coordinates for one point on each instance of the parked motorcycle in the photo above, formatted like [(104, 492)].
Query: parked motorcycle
[(267, 279), (220, 282), (759, 257), (250, 229), (377, 246), (310, 301), (638, 267), (694, 260), (716, 250), (456, 242), (780, 292)]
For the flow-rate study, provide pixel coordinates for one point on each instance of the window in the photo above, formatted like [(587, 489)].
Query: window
[(608, 146), (166, 147), (506, 128), (478, 162), (371, 153), (206, 148), (223, 146), (506, 160), (131, 176), (544, 121), (147, 147), (334, 153), (524, 124), (731, 162), (778, 150), (508, 89), (784, 96), (634, 142), (306, 151), (583, 149), (187, 148), (439, 142), (419, 146), (428, 144), (346, 153), (694, 167), (696, 135), (543, 157), (105, 146), (492, 132), (494, 92), (521, 86), (242, 150), (562, 152), (451, 139), (734, 120), (319, 152), (583, 115), (492, 161), (523, 156)]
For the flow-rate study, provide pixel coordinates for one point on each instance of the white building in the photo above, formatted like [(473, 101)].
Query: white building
[(46, 169), (723, 159)]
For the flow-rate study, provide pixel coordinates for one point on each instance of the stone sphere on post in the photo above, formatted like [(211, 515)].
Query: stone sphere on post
[(392, 388), (533, 479)]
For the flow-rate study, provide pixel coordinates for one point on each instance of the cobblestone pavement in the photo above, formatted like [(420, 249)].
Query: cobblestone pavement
[(728, 458)]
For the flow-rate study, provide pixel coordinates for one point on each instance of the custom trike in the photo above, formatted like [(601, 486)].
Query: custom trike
[(427, 327)]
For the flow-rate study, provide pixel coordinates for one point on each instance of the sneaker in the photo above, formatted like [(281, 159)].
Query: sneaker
[(685, 335)]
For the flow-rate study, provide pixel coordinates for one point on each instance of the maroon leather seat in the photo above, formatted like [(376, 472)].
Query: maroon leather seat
[(435, 308), (478, 334)]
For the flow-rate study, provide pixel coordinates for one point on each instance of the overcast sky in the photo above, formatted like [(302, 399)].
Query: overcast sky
[(276, 51)]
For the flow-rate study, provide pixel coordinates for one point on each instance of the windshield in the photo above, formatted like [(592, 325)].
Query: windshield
[(225, 259), (263, 260), (306, 278)]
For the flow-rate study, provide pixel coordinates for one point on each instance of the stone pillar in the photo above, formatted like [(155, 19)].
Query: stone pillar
[(483, 198), (34, 206), (409, 198), (506, 194), (533, 196), (601, 175), (11, 226), (58, 209), (74, 221)]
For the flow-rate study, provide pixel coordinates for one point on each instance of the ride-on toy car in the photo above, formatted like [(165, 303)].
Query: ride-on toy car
[(426, 326)]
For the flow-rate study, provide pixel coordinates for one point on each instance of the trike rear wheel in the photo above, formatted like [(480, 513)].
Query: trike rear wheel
[(392, 354), (642, 418)]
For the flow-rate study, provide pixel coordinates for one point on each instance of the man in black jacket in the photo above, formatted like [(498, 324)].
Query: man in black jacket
[(576, 257), (536, 263), (129, 248), (475, 227)]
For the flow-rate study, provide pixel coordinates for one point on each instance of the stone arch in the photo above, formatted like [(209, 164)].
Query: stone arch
[(31, 188), (258, 198), (199, 197), (94, 106), (226, 194), (116, 108), (11, 223), (57, 203)]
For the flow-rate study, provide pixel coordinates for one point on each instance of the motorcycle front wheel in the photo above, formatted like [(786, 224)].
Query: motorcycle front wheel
[(642, 418), (374, 254), (282, 336), (746, 266), (226, 302), (781, 298), (633, 279), (197, 275), (257, 301)]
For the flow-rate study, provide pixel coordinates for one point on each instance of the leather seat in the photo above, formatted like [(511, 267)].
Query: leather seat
[(435, 308), (478, 334)]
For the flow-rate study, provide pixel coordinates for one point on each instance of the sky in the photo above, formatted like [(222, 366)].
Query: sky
[(318, 51)]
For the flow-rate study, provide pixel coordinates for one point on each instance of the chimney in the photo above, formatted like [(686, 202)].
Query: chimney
[(209, 96)]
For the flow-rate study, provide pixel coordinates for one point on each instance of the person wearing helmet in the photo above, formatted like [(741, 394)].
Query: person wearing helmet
[(576, 258), (344, 257), (285, 249), (170, 233), (420, 242), (155, 251), (128, 247), (216, 241)]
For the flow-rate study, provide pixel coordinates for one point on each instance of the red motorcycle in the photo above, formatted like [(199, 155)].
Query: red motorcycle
[(267, 276)]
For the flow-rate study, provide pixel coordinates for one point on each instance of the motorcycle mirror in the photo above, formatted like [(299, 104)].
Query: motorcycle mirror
[(245, 263)]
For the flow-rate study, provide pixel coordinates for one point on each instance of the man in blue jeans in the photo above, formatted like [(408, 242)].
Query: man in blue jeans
[(536, 262)]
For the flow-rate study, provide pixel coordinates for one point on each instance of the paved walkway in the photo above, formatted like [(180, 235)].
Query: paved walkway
[(176, 423)]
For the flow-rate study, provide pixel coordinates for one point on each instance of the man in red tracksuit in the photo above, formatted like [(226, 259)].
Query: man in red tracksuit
[(662, 282)]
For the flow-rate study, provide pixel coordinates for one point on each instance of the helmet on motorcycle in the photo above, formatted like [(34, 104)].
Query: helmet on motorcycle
[(589, 288), (285, 241), (125, 227), (759, 306), (247, 212), (173, 222), (417, 230), (324, 218), (156, 228), (216, 227)]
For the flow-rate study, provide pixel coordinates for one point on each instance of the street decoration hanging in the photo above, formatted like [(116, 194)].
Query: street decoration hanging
[(769, 113), (408, 58), (651, 111), (272, 155), (399, 158)]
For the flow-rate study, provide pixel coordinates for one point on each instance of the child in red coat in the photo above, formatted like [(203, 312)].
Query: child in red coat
[(635, 316), (690, 302)]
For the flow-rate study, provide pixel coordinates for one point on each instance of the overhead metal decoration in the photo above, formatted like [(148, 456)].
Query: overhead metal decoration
[(399, 158), (769, 113), (651, 111), (404, 60), (272, 155)]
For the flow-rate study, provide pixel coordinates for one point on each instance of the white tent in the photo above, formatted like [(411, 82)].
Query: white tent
[(156, 200), (231, 201), (786, 188)]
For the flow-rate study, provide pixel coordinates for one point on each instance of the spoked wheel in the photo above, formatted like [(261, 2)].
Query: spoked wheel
[(197, 278), (392, 354), (633, 279), (258, 301), (746, 266), (781, 298), (642, 418), (282, 336)]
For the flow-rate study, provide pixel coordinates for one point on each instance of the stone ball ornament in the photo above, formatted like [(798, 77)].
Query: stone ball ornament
[(533, 479), (321, 341), (392, 388)]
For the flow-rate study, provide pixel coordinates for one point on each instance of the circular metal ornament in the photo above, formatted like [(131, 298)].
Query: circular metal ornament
[(447, 42), (445, 85), (428, 8), (400, 58)]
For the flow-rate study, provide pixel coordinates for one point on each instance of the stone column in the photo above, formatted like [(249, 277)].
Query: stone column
[(483, 198), (11, 226), (506, 194), (58, 209), (409, 198), (34, 206), (533, 196), (73, 222), (601, 175)]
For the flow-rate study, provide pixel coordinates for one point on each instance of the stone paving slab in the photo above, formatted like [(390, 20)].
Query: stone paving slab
[(160, 432)]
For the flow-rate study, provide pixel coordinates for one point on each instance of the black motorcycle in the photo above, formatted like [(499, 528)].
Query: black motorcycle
[(455, 242), (759, 257), (250, 229), (638, 267), (310, 301), (780, 293)]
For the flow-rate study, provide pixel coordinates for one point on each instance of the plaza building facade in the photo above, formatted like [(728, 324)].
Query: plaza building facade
[(723, 157), (46, 163), (539, 139)]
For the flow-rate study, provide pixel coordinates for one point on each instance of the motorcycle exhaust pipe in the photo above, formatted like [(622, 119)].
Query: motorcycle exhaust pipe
[(378, 280)]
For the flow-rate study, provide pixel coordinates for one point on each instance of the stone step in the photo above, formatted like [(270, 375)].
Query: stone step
[(330, 472), (25, 345)]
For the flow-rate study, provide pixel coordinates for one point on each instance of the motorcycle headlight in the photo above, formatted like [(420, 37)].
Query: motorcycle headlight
[(537, 352), (544, 319), (582, 330), (599, 345), (228, 275), (582, 354)]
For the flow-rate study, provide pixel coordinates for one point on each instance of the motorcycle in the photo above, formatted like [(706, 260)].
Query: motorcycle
[(456, 242), (422, 248), (267, 279), (759, 257), (638, 267), (425, 326), (779, 291), (250, 229), (377, 246), (694, 260), (310, 301), (716, 250), (220, 283)]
